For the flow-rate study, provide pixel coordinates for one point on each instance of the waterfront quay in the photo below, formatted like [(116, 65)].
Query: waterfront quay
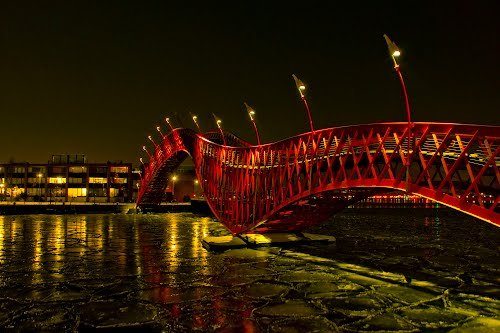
[(20, 207), (398, 270)]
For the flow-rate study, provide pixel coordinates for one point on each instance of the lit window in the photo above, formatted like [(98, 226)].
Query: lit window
[(77, 192), (97, 180), (77, 169), (113, 192), (57, 180), (119, 169)]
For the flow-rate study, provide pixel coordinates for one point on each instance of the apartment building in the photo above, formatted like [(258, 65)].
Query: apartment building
[(68, 178)]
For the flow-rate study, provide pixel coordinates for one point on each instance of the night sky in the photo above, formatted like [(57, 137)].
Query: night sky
[(97, 77)]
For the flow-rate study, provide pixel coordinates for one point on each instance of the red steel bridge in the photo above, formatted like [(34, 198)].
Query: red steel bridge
[(292, 184)]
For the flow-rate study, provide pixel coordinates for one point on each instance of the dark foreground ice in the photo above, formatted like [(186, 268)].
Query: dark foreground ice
[(402, 272)]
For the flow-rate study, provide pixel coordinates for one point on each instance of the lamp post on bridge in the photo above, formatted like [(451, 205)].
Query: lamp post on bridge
[(195, 120), (218, 121), (394, 52), (150, 138), (301, 88), (169, 124), (141, 170), (158, 128), (251, 114), (147, 152)]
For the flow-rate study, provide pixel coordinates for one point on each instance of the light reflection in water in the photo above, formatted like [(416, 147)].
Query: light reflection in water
[(80, 232), (13, 232), (37, 248), (2, 239), (173, 249), (97, 231), (200, 230), (137, 254), (56, 241)]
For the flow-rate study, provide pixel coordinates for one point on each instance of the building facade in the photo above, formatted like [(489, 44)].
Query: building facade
[(68, 178)]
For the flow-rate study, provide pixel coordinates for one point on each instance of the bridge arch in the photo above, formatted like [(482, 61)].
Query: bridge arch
[(278, 186)]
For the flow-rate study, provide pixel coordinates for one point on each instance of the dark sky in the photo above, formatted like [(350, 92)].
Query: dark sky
[(97, 77)]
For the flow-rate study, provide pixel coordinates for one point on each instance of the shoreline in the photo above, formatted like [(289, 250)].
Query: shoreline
[(195, 206)]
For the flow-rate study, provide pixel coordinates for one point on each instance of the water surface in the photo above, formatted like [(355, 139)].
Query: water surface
[(404, 271)]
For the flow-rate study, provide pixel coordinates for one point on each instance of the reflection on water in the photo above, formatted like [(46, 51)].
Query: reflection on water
[(151, 272), (2, 239)]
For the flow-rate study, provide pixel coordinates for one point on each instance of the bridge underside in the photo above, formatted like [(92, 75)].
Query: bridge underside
[(157, 186), (312, 210)]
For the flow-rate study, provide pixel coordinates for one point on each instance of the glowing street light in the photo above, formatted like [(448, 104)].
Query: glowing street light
[(196, 188), (218, 121), (174, 178), (169, 124), (394, 52), (158, 128), (39, 176), (393, 49), (157, 147), (302, 88), (251, 114), (195, 120), (150, 138), (147, 152)]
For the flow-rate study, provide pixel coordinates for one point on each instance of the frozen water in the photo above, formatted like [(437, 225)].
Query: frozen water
[(401, 273)]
